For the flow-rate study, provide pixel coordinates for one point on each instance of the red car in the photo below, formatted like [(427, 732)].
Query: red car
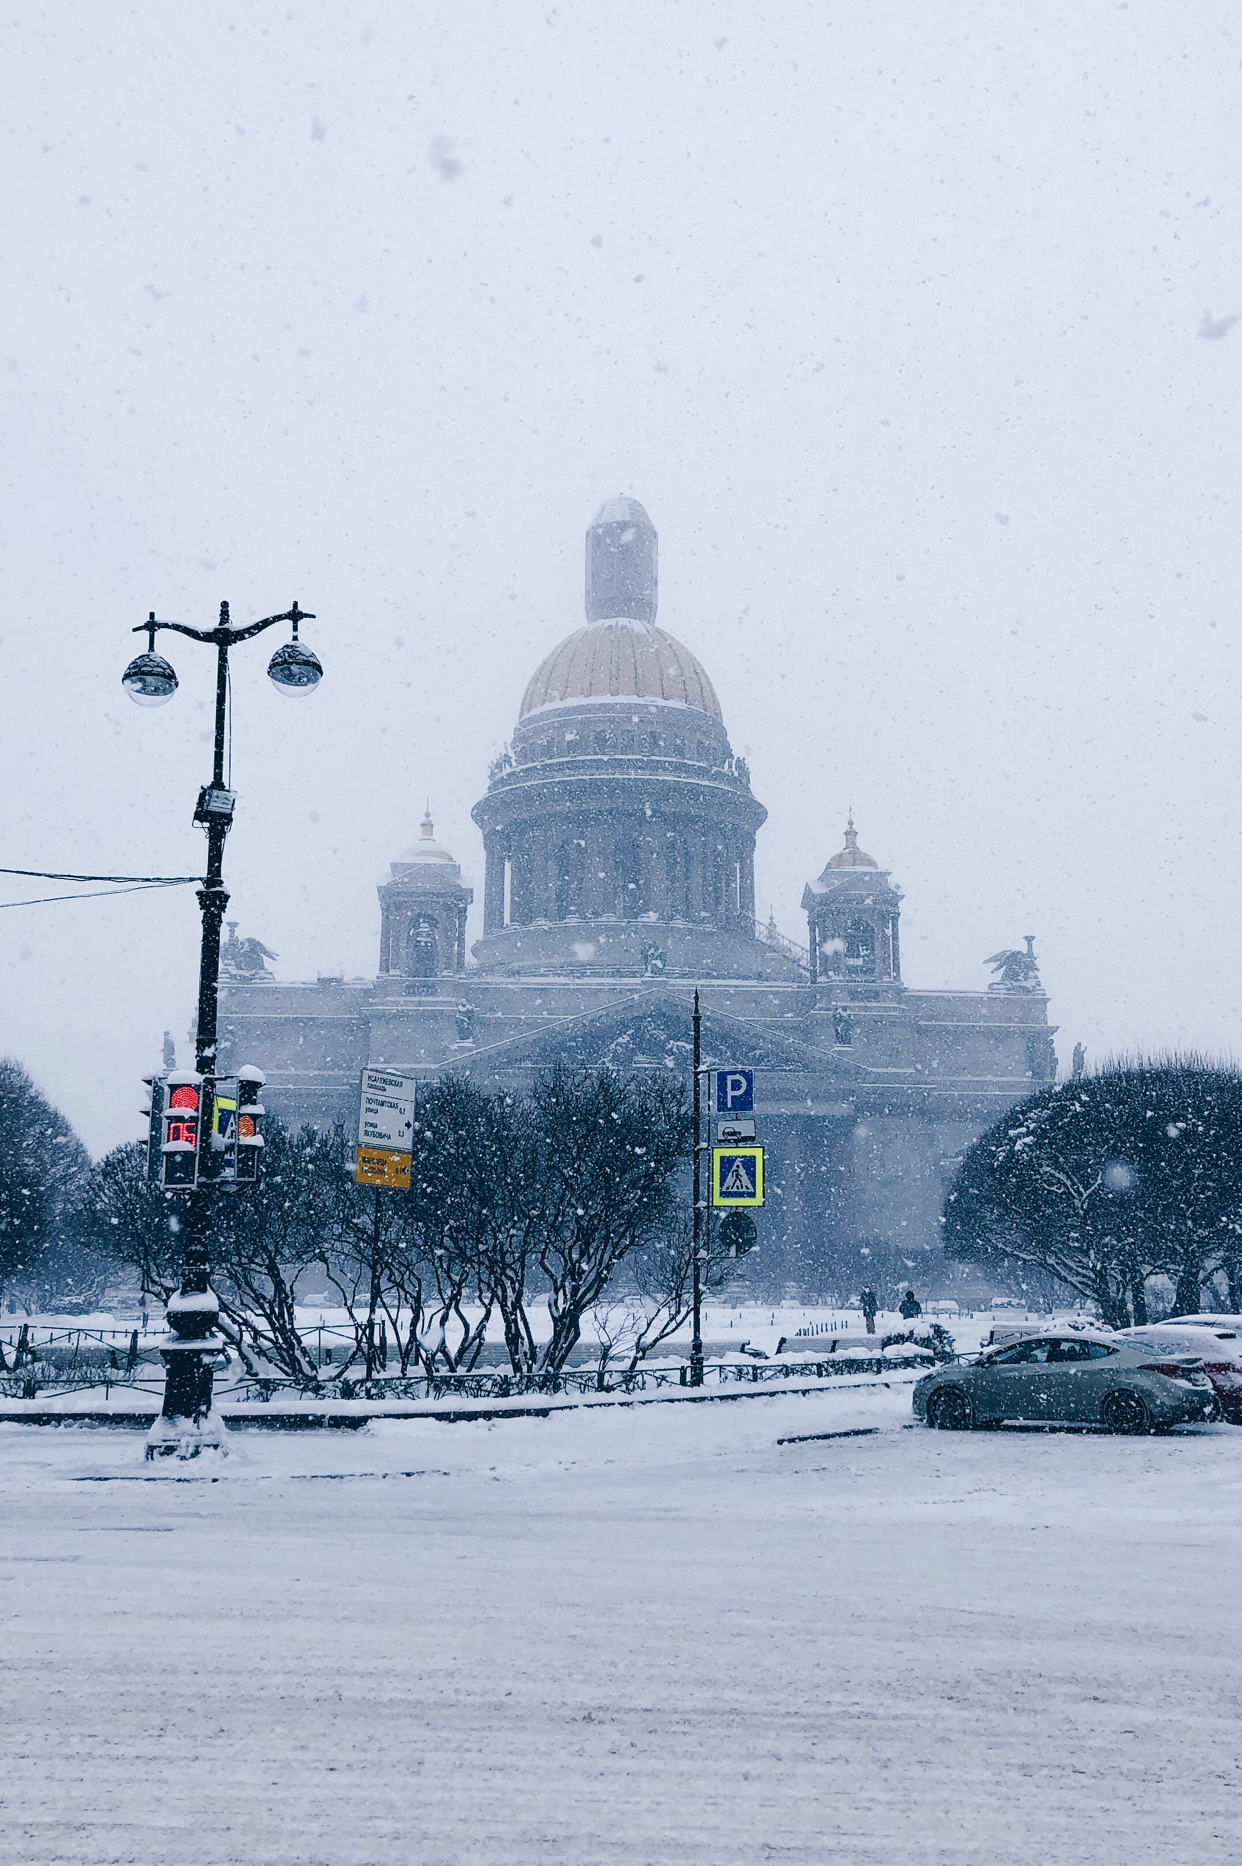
[(1214, 1339)]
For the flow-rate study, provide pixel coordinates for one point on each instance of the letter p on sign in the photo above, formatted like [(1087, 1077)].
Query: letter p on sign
[(735, 1091)]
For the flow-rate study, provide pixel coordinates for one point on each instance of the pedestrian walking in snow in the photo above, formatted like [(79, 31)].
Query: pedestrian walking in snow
[(868, 1304), (910, 1306)]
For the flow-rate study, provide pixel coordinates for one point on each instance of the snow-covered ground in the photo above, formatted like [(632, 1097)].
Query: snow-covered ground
[(634, 1637)]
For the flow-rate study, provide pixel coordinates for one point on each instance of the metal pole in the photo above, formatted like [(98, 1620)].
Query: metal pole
[(373, 1293), (194, 1312), (696, 1344)]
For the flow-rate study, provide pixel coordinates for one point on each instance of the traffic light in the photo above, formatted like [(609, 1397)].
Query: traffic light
[(217, 1147), (182, 1119), (739, 1234), (250, 1113), (154, 1112)]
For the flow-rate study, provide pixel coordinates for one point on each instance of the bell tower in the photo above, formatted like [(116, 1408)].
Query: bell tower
[(423, 913), (852, 913)]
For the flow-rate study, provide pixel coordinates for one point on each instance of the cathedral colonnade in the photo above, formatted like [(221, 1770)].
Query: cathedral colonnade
[(596, 864)]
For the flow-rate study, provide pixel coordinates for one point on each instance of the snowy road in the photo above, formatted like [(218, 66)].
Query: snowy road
[(651, 1636)]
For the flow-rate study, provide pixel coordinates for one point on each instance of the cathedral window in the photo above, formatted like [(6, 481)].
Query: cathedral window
[(860, 946), (601, 742), (679, 748), (421, 948)]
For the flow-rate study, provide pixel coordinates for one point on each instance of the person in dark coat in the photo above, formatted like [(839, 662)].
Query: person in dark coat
[(868, 1304), (910, 1306)]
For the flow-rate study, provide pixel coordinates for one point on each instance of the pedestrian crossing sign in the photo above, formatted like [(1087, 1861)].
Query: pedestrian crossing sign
[(737, 1175)]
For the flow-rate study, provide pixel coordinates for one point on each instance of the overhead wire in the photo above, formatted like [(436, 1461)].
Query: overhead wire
[(133, 884), (95, 894), (52, 874)]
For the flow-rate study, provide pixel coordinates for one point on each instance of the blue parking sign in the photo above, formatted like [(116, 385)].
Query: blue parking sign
[(735, 1091)]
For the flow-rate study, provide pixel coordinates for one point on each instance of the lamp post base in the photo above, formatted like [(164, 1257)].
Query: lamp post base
[(188, 1425), (186, 1438)]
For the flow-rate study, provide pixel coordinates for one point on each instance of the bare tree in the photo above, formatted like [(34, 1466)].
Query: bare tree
[(1109, 1179), (42, 1167), (608, 1155), (124, 1217), (263, 1237)]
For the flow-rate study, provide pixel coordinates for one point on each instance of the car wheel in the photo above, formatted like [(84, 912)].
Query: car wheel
[(950, 1410), (1125, 1411)]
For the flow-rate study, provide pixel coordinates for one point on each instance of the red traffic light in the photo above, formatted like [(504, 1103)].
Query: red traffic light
[(184, 1097)]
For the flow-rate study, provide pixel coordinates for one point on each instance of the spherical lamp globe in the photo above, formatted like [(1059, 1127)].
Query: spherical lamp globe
[(294, 669), (149, 680)]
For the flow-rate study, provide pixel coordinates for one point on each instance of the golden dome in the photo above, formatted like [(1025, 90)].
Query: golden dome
[(851, 856), (621, 659)]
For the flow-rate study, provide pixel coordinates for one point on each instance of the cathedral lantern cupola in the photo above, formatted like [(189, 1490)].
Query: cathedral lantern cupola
[(620, 826), (423, 913), (621, 564), (852, 914)]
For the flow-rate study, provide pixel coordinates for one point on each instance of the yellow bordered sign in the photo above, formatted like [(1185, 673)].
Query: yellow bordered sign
[(380, 1166), (737, 1175)]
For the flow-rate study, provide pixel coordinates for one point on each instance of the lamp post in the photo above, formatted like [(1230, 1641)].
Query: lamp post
[(186, 1424)]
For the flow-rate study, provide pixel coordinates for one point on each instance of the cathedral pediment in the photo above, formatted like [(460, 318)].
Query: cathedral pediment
[(653, 1033)]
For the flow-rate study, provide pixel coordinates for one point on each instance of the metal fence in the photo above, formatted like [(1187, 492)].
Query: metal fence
[(494, 1384)]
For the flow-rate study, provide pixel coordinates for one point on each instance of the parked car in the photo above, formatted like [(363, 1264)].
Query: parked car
[(1083, 1378), (1206, 1321), (1220, 1348)]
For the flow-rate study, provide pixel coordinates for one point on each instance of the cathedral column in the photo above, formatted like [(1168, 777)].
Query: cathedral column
[(494, 888), (595, 886), (658, 899), (696, 866), (385, 936), (519, 881), (748, 879)]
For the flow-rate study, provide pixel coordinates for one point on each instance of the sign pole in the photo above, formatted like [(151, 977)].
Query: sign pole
[(696, 1344)]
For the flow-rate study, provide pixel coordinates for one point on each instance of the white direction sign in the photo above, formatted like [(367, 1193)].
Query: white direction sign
[(386, 1113)]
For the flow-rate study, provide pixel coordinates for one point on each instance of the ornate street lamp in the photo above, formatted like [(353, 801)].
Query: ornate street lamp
[(187, 1424)]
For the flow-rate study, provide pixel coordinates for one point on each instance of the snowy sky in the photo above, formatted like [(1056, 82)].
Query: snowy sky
[(890, 315)]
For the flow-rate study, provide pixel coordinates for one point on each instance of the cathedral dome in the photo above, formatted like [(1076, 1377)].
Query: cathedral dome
[(621, 659), (851, 856), (426, 851)]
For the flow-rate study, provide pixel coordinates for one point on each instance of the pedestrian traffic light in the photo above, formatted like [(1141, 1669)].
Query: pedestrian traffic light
[(217, 1147), (182, 1116), (250, 1113), (739, 1234)]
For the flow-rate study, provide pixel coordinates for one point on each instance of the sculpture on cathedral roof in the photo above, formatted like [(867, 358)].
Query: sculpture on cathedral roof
[(242, 959), (1016, 971)]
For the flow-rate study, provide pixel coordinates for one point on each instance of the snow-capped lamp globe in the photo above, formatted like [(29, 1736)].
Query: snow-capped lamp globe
[(294, 668), (149, 679)]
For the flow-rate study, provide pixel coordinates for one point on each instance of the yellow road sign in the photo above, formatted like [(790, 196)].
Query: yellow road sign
[(737, 1175), (381, 1166)]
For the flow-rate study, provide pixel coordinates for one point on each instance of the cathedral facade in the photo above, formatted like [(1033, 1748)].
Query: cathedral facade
[(619, 839)]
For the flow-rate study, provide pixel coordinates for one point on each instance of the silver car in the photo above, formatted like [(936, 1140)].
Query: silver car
[(1073, 1379)]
